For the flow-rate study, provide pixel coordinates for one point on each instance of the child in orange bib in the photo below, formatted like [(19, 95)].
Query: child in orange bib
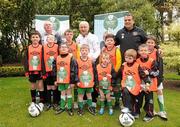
[(106, 79), (33, 66), (148, 82), (66, 76)]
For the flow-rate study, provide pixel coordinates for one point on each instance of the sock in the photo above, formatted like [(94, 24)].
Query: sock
[(69, 101), (89, 102), (41, 96), (109, 103), (33, 95), (80, 105), (102, 104), (49, 96), (62, 102), (55, 94), (161, 102), (75, 95), (117, 96)]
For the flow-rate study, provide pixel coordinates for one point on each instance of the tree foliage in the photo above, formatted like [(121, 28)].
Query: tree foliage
[(174, 31), (15, 24)]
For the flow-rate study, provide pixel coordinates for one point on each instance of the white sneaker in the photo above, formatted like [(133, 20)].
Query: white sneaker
[(155, 113), (163, 115), (94, 104)]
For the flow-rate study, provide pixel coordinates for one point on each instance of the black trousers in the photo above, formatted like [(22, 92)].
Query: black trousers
[(58, 93), (130, 101), (148, 105)]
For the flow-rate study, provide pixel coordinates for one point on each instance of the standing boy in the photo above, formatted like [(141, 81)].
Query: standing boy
[(149, 81), (115, 59), (66, 72), (130, 82), (153, 53), (86, 74), (106, 80), (73, 49), (33, 66), (50, 52)]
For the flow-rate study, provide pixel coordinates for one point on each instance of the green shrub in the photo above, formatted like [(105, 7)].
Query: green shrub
[(171, 56), (11, 71)]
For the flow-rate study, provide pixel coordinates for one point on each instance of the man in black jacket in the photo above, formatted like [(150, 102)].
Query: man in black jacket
[(129, 37)]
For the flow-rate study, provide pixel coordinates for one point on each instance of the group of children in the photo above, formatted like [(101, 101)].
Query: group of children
[(68, 67)]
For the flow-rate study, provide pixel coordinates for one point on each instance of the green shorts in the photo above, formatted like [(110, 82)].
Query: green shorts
[(83, 90), (105, 91), (62, 87)]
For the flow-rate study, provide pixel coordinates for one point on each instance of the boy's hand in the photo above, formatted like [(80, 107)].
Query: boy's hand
[(44, 76), (110, 88), (78, 84), (109, 75), (72, 85), (55, 83), (26, 74), (146, 72)]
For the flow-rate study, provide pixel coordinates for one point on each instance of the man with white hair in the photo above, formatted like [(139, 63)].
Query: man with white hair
[(48, 27), (86, 37)]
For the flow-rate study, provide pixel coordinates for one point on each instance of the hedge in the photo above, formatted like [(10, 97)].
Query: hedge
[(10, 71)]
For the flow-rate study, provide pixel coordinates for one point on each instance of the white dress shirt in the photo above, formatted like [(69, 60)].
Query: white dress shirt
[(92, 41)]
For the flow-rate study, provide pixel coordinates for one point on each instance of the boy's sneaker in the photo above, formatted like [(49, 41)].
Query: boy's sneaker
[(80, 112), (70, 112), (55, 107), (92, 110), (155, 113), (59, 111), (136, 116), (47, 107), (148, 119), (110, 111), (162, 115), (94, 104), (101, 111)]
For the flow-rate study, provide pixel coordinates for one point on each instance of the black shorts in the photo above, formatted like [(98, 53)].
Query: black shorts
[(50, 80), (34, 77)]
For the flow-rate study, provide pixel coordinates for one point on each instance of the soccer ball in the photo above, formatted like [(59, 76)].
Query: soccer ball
[(40, 106), (126, 119), (34, 110)]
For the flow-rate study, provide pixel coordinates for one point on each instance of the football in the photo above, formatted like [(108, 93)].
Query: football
[(126, 119), (33, 110), (40, 106)]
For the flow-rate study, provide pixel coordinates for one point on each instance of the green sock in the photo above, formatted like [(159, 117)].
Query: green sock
[(102, 104), (69, 101), (109, 103), (89, 102), (62, 105), (80, 104), (75, 95), (117, 96), (161, 102)]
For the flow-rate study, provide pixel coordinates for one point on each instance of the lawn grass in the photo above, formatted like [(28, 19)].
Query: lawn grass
[(15, 97), (171, 76)]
